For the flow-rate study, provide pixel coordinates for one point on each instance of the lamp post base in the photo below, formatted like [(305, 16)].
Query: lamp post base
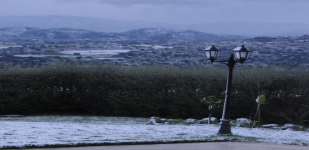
[(225, 128)]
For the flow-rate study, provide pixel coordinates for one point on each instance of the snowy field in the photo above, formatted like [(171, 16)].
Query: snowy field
[(96, 54), (42, 131)]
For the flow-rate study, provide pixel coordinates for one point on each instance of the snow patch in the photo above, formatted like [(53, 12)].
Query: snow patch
[(40, 131)]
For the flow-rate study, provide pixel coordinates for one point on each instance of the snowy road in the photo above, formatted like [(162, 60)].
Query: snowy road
[(42, 131)]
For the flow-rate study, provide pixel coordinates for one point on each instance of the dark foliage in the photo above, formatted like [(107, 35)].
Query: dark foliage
[(152, 91)]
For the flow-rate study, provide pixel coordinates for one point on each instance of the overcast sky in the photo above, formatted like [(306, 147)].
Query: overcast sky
[(181, 13)]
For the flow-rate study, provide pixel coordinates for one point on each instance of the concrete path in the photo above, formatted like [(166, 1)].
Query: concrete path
[(194, 146)]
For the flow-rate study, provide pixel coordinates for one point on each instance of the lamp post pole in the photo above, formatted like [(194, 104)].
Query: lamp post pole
[(225, 126), (239, 55)]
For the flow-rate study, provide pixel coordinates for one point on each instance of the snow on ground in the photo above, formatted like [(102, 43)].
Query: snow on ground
[(98, 54), (40, 131), (95, 52), (274, 136)]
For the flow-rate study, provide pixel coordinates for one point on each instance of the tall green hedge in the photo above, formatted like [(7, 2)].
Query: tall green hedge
[(152, 91)]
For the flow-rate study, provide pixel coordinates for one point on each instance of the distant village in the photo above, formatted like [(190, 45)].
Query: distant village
[(144, 47)]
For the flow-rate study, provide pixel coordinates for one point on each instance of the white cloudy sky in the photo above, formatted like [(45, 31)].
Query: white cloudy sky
[(186, 13)]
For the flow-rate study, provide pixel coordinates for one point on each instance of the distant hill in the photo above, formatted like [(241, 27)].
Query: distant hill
[(143, 34), (46, 34), (161, 35), (88, 23), (110, 25), (278, 50)]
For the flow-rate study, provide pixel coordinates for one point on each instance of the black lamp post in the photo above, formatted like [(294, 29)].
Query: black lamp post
[(239, 55)]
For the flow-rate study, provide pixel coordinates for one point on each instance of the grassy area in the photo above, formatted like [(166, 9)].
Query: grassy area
[(152, 91)]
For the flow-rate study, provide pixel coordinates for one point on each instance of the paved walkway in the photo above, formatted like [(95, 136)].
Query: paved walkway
[(194, 146)]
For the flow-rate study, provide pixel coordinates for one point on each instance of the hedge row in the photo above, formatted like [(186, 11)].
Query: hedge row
[(153, 91)]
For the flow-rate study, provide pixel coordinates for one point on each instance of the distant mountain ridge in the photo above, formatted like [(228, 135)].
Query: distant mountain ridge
[(47, 22), (113, 25), (161, 34), (143, 34)]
